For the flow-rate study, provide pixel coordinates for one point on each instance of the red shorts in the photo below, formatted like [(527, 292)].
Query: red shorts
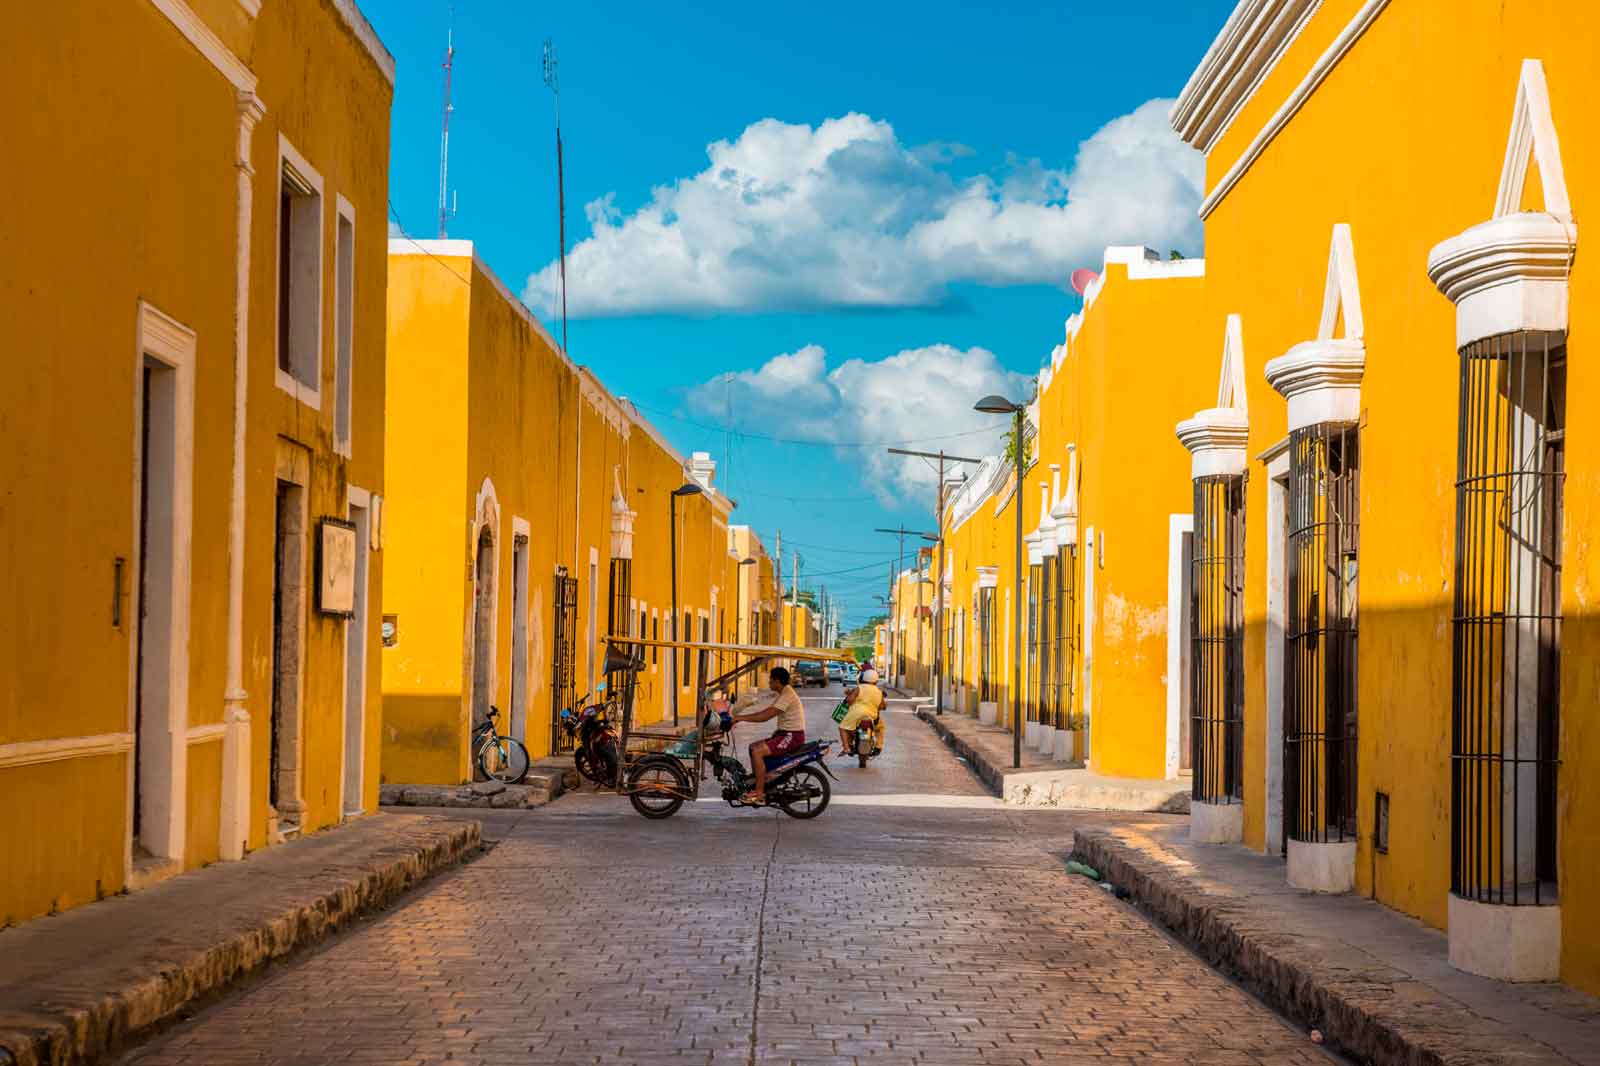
[(781, 742)]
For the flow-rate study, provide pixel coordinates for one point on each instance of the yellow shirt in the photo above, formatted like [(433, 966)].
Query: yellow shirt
[(869, 699)]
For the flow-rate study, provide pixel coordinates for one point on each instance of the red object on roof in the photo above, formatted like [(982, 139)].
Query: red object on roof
[(1082, 278)]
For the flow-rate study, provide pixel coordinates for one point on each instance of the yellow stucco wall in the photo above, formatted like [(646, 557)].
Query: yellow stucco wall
[(492, 428), (1407, 151), (152, 127)]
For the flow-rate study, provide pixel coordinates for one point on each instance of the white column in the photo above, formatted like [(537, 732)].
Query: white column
[(235, 813)]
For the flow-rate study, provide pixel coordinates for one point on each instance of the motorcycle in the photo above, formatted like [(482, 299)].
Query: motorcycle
[(867, 740), (797, 782), (594, 741)]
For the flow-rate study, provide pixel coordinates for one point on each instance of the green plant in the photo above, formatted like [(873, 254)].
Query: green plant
[(1029, 436)]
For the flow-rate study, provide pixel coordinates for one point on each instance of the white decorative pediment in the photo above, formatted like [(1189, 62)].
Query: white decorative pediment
[(622, 521), (1321, 378), (1065, 509), (1509, 274), (1216, 437), (1047, 522)]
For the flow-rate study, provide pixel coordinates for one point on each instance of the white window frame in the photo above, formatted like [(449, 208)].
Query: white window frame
[(308, 394), (344, 326)]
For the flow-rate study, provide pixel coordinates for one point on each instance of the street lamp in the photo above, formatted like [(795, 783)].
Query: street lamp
[(999, 405), (688, 488)]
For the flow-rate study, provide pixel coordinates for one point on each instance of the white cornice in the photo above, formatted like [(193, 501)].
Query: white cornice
[(1216, 440), (1249, 46), (33, 752), (209, 45), (358, 25), (1346, 40), (1510, 273)]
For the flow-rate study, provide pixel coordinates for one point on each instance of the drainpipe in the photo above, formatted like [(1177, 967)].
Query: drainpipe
[(234, 831)]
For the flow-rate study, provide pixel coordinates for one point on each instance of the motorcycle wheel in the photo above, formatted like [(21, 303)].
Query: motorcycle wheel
[(608, 761), (650, 775), (861, 753), (805, 794), (585, 764)]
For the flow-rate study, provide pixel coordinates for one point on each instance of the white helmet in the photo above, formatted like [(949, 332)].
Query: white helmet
[(870, 676)]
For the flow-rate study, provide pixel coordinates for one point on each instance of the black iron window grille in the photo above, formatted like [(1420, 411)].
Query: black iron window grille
[(1066, 635), (1319, 670), (986, 672), (1505, 696), (619, 683), (1031, 671), (1048, 620), (563, 676), (1216, 622)]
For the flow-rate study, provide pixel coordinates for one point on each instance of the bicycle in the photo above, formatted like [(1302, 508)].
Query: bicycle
[(499, 758)]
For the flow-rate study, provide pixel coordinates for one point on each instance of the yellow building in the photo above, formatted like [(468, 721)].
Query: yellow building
[(194, 436), (1105, 574), (530, 518), (1395, 276), (758, 593)]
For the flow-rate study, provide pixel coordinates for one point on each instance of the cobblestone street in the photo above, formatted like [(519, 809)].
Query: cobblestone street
[(879, 932)]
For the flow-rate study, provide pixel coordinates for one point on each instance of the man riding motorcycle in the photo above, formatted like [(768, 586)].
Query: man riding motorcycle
[(866, 701)]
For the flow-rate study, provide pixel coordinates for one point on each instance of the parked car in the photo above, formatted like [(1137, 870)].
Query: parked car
[(852, 673), (835, 672), (810, 672)]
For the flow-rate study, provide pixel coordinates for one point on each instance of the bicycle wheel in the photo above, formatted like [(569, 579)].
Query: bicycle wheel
[(504, 759), (805, 794), (656, 787)]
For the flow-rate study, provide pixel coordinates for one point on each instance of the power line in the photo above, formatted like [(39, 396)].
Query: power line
[(664, 413), (395, 217)]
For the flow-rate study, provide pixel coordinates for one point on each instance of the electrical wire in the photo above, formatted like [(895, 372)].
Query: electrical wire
[(394, 216), (664, 413)]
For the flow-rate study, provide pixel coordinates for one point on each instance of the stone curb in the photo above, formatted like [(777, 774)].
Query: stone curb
[(81, 1024), (990, 775), (543, 785), (1380, 1016)]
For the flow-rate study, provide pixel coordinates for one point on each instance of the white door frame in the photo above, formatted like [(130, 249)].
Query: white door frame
[(1277, 603), (163, 340), (1088, 641), (352, 763), (521, 650)]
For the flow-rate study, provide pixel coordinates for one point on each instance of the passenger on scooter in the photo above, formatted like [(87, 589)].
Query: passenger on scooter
[(789, 735), (866, 701)]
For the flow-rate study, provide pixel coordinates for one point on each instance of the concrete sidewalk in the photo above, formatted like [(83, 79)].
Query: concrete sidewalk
[(79, 986), (1043, 782), (1377, 984)]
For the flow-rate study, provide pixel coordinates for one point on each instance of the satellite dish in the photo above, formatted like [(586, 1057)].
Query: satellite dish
[(1082, 278)]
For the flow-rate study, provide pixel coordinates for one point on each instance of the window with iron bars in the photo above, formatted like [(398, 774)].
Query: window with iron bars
[(1066, 635), (1216, 623), (1319, 669), (563, 676), (1047, 643), (1506, 655), (1031, 675), (619, 683), (986, 672)]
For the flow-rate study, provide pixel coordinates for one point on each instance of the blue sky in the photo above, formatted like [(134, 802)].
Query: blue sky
[(829, 223)]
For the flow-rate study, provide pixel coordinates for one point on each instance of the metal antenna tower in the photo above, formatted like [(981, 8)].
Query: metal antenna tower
[(552, 82), (446, 207)]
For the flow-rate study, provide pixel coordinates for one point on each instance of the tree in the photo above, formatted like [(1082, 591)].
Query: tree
[(1029, 434)]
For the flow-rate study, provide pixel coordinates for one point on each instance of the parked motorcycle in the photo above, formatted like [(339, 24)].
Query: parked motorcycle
[(593, 739)]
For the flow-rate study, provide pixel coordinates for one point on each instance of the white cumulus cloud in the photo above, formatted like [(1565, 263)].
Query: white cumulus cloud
[(920, 394), (843, 214)]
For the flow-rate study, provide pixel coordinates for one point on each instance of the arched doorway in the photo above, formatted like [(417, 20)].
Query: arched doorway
[(483, 600)]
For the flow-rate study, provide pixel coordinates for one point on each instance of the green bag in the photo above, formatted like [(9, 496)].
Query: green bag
[(840, 711)]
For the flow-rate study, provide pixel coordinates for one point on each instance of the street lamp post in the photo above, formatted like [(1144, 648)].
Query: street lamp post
[(688, 488), (744, 605), (999, 405)]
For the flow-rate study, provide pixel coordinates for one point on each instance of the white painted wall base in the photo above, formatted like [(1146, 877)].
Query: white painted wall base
[(1044, 738), (1216, 823), (1029, 734), (1322, 867), (988, 712), (1504, 942), (1064, 745)]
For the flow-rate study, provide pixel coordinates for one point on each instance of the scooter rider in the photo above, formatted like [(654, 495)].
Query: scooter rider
[(789, 735), (866, 701)]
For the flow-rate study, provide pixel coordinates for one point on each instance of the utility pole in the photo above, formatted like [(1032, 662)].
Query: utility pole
[(777, 573), (445, 209), (552, 81), (938, 600), (894, 598)]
